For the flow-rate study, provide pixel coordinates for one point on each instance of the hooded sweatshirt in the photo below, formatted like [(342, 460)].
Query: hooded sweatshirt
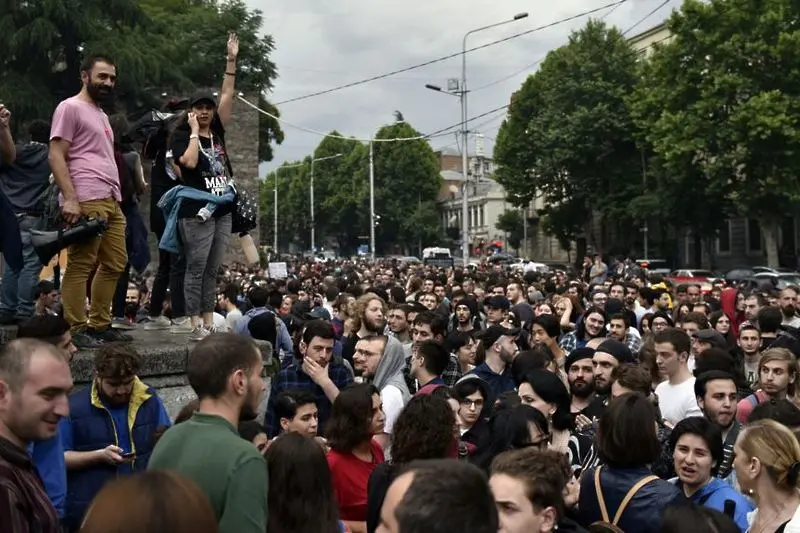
[(390, 382), (24, 181), (714, 495), (728, 304)]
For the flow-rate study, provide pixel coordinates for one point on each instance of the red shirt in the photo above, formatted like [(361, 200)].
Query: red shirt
[(350, 478)]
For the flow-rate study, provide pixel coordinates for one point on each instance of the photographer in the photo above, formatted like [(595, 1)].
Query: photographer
[(83, 164), (200, 156)]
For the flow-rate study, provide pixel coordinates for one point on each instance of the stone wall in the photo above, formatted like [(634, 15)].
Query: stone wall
[(164, 358), (242, 140)]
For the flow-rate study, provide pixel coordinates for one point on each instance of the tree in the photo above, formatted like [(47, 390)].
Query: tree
[(727, 88), (569, 136), (511, 223), (159, 47), (407, 182)]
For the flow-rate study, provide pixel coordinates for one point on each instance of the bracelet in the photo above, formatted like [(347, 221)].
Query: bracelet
[(230, 73), (194, 136)]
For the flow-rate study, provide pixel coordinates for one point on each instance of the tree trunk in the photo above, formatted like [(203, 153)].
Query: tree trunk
[(697, 250), (769, 230)]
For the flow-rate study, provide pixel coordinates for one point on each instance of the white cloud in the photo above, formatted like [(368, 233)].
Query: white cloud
[(322, 44)]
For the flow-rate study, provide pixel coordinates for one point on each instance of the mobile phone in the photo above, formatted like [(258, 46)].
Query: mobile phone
[(130, 455)]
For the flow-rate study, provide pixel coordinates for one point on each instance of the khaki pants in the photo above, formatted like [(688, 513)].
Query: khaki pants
[(108, 252)]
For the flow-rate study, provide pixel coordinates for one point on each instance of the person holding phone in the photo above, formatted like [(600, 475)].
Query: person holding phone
[(110, 429), (200, 156)]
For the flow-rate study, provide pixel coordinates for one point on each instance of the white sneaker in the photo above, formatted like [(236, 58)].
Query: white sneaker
[(199, 333), (181, 326), (156, 324)]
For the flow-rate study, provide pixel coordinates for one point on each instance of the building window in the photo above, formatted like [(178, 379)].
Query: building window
[(724, 238), (482, 214), (753, 235)]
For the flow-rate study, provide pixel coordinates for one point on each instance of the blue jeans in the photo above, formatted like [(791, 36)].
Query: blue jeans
[(16, 296)]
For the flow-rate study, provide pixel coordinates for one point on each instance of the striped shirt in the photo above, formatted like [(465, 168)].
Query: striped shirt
[(24, 505)]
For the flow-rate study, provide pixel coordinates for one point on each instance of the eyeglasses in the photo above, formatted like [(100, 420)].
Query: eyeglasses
[(540, 443), (477, 404)]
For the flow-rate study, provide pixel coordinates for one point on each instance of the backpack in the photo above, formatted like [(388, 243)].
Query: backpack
[(265, 327), (51, 211), (610, 526)]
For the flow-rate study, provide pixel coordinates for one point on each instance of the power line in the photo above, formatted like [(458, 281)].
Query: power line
[(437, 133), (529, 67), (659, 6), (450, 56)]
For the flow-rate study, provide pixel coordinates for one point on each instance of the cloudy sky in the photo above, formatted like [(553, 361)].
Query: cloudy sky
[(321, 44)]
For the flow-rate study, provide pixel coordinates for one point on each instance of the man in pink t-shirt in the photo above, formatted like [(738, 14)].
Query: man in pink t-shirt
[(85, 169)]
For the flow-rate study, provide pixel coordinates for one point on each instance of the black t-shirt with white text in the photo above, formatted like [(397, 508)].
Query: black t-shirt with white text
[(212, 173)]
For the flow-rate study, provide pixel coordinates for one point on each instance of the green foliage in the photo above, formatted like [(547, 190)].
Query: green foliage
[(170, 46), (406, 185), (569, 134), (511, 223), (720, 106)]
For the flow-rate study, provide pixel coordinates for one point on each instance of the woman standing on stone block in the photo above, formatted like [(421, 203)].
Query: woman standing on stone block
[(206, 200)]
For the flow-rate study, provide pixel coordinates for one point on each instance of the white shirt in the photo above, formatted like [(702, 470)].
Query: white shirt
[(232, 317), (392, 405), (677, 401)]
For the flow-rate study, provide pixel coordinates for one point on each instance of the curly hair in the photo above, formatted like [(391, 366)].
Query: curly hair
[(117, 361), (361, 307), (423, 430)]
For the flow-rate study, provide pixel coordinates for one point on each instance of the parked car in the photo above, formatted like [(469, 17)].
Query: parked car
[(779, 281), (704, 278)]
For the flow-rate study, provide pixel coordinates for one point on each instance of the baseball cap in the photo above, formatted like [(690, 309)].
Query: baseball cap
[(493, 333), (202, 96), (318, 313), (712, 337), (497, 302)]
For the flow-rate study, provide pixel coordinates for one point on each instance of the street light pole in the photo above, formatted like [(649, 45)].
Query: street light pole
[(311, 194), (462, 94), (371, 201)]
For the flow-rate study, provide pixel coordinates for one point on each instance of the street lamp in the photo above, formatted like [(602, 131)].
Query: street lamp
[(462, 94), (275, 204), (311, 192)]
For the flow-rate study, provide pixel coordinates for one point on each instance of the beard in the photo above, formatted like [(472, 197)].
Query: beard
[(101, 94), (374, 327), (581, 389), (789, 310), (131, 309), (248, 412)]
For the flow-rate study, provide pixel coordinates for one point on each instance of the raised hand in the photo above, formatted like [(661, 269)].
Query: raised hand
[(233, 45), (5, 116)]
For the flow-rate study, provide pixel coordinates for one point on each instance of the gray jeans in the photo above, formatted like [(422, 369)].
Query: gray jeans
[(204, 245), (16, 291)]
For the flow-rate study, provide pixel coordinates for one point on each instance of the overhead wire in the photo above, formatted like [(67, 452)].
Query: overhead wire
[(650, 14), (438, 133), (449, 56)]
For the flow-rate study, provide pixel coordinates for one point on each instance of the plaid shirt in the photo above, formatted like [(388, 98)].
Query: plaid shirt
[(293, 378)]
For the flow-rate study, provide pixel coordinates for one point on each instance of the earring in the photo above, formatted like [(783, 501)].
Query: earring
[(750, 492)]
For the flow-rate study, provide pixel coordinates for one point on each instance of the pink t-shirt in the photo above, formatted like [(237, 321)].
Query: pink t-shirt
[(90, 159)]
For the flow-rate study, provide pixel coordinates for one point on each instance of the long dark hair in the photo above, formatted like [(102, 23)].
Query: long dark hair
[(351, 417), (510, 430), (301, 498)]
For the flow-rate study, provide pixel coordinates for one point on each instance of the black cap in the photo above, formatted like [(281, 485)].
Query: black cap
[(202, 96), (618, 350), (712, 337), (493, 333), (576, 355), (318, 313), (497, 302)]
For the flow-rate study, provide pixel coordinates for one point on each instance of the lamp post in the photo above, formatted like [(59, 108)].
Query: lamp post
[(462, 94), (275, 204), (311, 193)]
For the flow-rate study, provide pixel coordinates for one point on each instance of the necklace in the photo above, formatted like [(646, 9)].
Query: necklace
[(762, 527)]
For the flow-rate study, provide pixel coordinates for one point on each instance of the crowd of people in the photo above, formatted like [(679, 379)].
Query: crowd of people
[(359, 396)]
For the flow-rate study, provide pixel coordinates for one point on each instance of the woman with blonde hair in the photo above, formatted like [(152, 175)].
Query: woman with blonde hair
[(767, 467), (156, 501)]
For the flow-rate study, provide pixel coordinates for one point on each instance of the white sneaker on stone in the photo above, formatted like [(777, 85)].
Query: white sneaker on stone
[(158, 323), (199, 333), (181, 326)]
